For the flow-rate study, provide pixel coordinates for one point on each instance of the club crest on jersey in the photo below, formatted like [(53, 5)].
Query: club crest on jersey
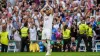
[(46, 19)]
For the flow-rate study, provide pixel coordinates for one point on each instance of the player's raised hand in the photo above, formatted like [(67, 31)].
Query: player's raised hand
[(47, 2), (42, 10)]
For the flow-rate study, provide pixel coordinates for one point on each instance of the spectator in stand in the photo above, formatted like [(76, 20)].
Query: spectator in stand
[(59, 41), (17, 39), (73, 44), (66, 12), (33, 33), (39, 33)]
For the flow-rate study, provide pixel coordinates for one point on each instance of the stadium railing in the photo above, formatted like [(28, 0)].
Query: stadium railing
[(96, 47), (12, 45)]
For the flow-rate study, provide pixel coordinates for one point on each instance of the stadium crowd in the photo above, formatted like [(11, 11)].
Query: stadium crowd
[(73, 21)]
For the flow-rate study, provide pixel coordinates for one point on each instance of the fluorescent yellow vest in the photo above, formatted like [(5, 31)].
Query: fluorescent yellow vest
[(87, 29), (66, 34), (4, 38), (82, 28), (24, 32), (90, 32)]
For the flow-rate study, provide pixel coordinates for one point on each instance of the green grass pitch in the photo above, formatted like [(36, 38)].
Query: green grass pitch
[(53, 54)]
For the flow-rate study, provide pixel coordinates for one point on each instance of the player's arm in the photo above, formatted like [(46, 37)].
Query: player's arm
[(51, 9), (42, 10)]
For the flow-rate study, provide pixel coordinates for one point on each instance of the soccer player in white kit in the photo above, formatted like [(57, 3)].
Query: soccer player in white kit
[(47, 26)]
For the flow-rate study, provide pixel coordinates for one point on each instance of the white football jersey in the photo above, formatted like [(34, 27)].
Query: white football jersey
[(33, 33), (47, 21)]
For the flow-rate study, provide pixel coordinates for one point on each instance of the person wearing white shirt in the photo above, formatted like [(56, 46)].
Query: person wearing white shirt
[(33, 33), (36, 18), (62, 3), (56, 25), (17, 39), (9, 29), (9, 8), (12, 2), (47, 26)]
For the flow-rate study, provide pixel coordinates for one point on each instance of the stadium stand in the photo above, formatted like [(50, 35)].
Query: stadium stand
[(71, 13)]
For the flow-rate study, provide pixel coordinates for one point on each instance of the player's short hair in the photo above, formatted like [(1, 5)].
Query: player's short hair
[(25, 24)]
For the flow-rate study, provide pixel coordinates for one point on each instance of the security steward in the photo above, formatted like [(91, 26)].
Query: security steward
[(4, 39), (82, 35), (90, 35), (66, 38), (24, 32)]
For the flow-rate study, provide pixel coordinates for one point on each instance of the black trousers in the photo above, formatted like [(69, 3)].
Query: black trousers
[(24, 43), (4, 48), (84, 37), (90, 44), (66, 42)]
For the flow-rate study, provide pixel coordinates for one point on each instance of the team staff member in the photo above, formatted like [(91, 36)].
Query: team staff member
[(4, 39), (66, 38), (82, 34), (90, 35), (87, 28), (24, 32)]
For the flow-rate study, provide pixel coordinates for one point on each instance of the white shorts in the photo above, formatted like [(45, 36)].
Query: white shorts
[(46, 34)]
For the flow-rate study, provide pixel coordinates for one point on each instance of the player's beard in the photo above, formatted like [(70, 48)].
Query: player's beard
[(48, 14)]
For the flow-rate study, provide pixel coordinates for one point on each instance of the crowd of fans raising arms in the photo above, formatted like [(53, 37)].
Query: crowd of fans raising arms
[(78, 19)]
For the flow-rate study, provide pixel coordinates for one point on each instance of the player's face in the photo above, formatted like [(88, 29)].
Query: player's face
[(47, 12)]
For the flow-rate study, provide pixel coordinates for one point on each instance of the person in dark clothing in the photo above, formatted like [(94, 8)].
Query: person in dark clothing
[(66, 38), (98, 33), (39, 33), (74, 31), (82, 35), (24, 32), (98, 2), (90, 36)]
